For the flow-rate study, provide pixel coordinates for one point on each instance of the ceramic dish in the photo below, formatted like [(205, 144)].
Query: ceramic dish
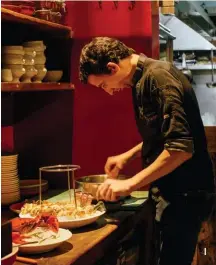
[(16, 207), (46, 245), (31, 186), (65, 222)]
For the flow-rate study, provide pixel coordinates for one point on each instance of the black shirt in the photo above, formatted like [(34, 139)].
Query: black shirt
[(168, 117)]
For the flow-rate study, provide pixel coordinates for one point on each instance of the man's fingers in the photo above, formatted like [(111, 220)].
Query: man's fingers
[(108, 168), (114, 172), (104, 190), (108, 196), (113, 197)]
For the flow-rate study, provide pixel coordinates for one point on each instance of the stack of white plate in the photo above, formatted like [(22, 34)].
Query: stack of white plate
[(10, 190)]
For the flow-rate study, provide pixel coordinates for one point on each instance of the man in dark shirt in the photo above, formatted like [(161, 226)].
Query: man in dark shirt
[(174, 150)]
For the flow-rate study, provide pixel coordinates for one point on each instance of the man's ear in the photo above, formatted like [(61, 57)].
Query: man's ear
[(113, 67)]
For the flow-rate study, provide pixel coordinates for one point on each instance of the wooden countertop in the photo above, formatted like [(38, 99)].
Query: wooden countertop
[(89, 244)]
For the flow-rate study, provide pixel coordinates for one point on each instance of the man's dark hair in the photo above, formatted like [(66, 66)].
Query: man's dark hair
[(96, 55)]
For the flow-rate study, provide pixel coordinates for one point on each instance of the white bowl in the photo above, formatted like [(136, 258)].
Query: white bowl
[(29, 51), (40, 74), (37, 45), (40, 59), (17, 71), (29, 60), (12, 59), (12, 50), (33, 43), (53, 76), (13, 66), (30, 71), (6, 75)]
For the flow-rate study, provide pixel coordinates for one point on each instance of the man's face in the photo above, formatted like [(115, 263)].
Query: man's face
[(110, 83)]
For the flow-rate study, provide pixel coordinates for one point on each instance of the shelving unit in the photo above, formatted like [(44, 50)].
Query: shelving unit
[(11, 16), (197, 67), (24, 87), (36, 27), (40, 123)]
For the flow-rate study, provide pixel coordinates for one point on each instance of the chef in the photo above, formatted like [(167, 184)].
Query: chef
[(176, 162)]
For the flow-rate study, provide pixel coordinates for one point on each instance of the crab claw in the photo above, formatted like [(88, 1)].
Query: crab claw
[(53, 223), (49, 221), (17, 238)]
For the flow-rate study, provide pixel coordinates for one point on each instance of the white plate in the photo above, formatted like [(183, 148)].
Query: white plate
[(46, 245), (75, 223), (10, 179), (8, 189), (65, 222)]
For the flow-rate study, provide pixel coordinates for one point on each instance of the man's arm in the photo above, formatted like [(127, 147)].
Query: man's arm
[(135, 151), (166, 162)]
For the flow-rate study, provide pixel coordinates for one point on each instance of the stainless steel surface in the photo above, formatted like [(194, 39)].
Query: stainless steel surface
[(90, 183), (213, 83), (165, 33), (186, 37)]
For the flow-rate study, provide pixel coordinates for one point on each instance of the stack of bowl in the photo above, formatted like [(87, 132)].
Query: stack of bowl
[(29, 55), (10, 191), (39, 60), (12, 58)]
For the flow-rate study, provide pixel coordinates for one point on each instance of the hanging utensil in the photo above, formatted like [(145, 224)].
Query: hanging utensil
[(212, 83)]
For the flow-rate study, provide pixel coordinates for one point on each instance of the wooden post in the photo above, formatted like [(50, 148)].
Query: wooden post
[(167, 7), (169, 50)]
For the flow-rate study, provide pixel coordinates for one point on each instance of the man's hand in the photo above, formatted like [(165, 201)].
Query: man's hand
[(111, 189), (115, 164)]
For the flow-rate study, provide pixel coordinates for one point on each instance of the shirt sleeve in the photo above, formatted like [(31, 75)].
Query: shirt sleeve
[(167, 90)]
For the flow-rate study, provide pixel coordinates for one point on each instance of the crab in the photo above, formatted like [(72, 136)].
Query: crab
[(27, 225)]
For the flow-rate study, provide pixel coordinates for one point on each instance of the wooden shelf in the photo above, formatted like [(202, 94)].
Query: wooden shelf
[(24, 87), (11, 16)]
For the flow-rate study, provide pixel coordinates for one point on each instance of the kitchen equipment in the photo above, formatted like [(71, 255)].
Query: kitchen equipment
[(186, 71), (90, 183), (212, 83), (69, 170)]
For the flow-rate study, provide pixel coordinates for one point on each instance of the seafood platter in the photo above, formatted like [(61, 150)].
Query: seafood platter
[(38, 235), (77, 211)]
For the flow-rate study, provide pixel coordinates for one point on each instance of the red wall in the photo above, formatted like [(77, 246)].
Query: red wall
[(7, 138), (104, 125)]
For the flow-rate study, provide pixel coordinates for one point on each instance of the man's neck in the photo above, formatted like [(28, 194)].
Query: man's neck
[(132, 63)]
